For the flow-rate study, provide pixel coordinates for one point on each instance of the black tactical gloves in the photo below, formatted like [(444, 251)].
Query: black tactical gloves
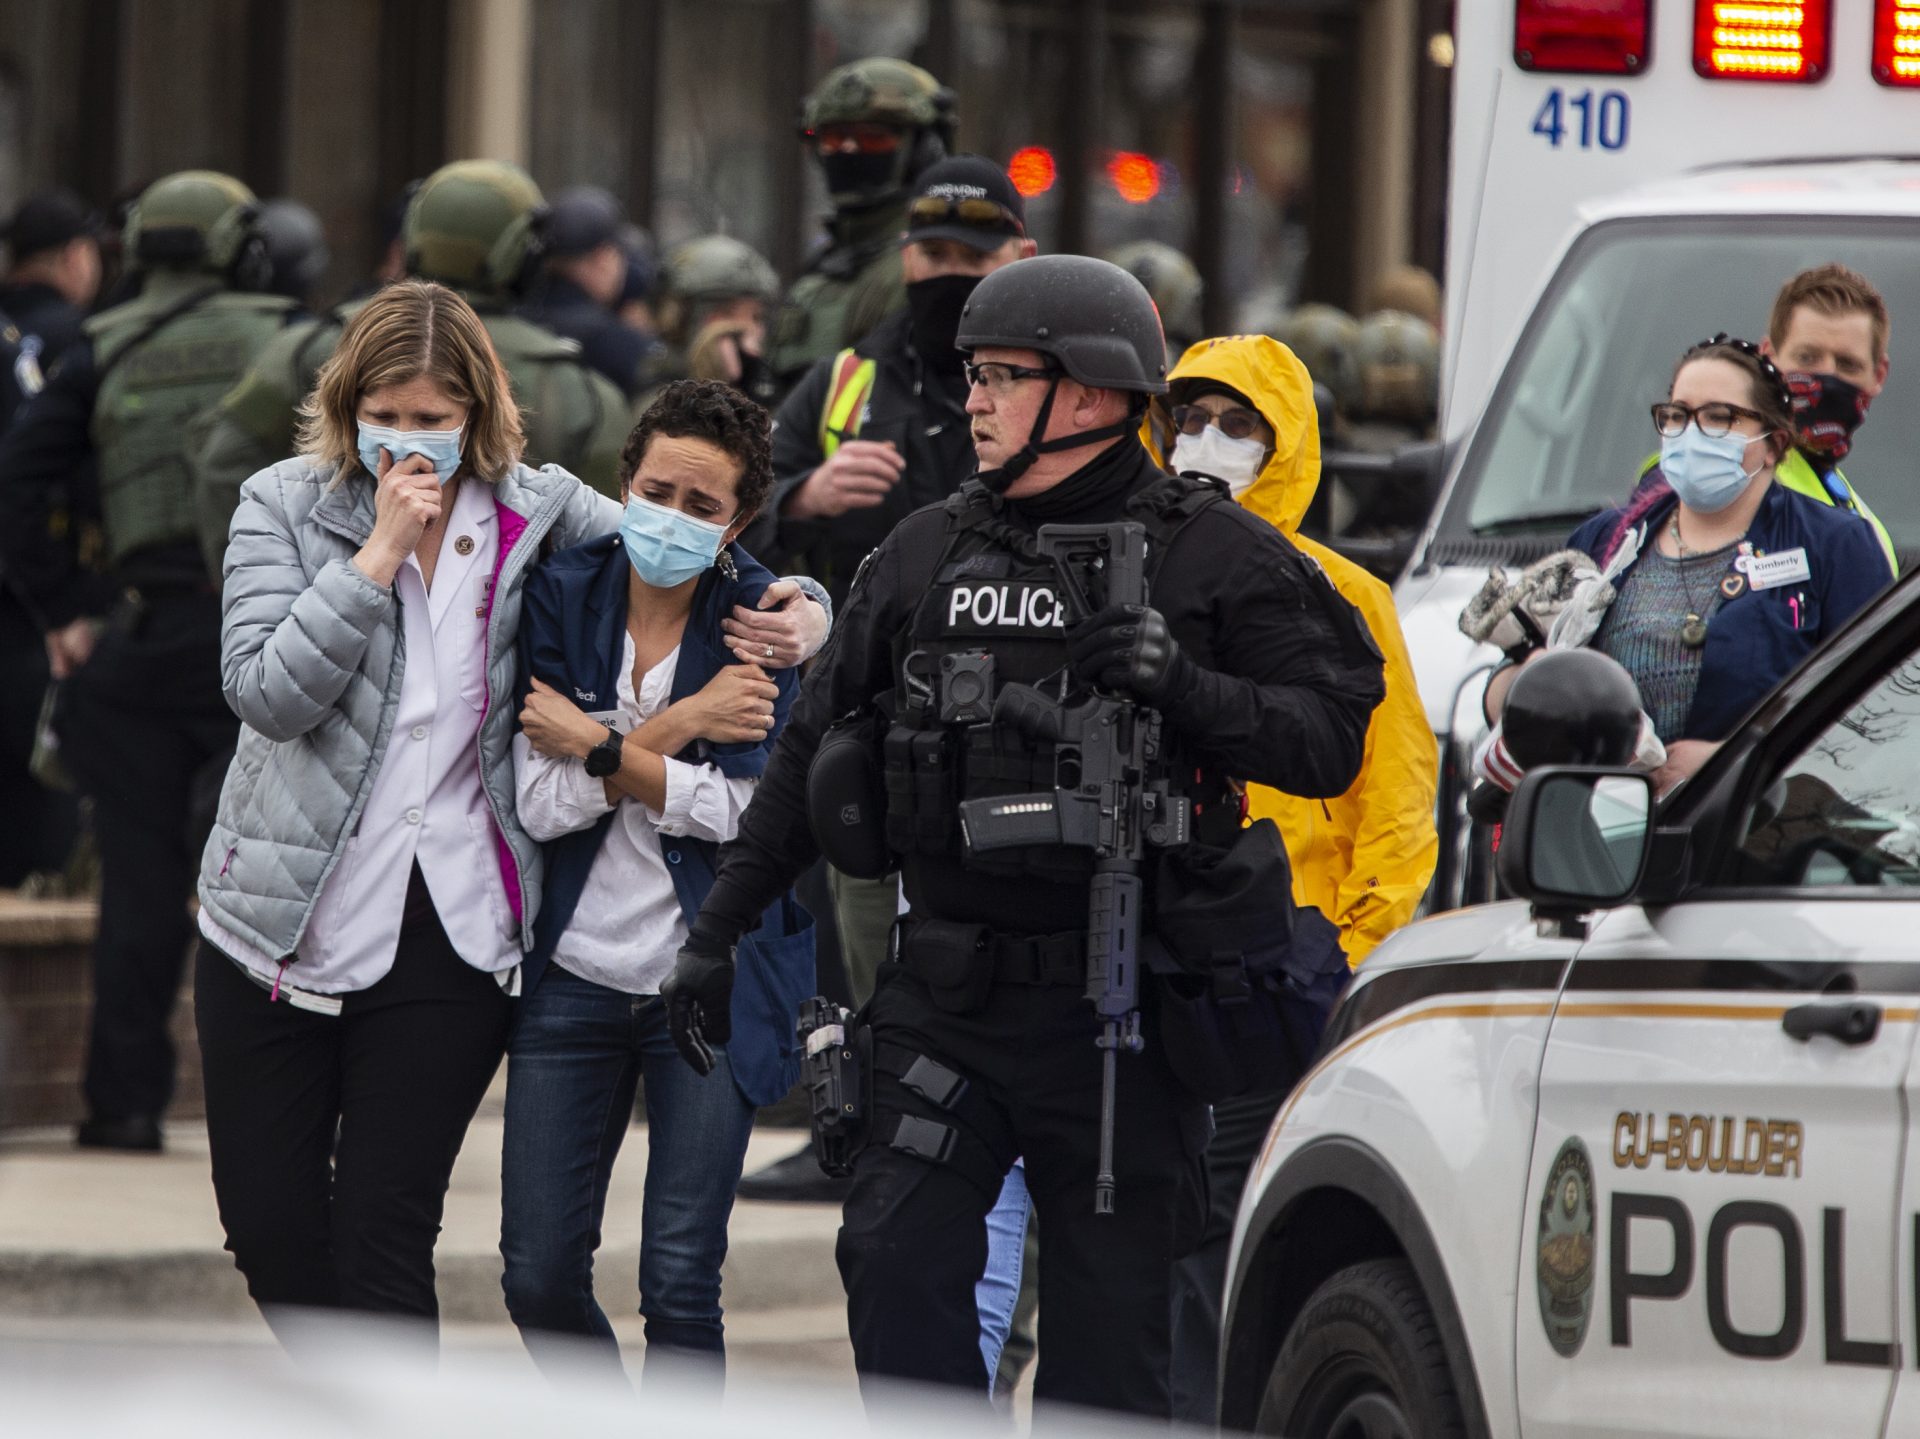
[(699, 999), (1128, 648)]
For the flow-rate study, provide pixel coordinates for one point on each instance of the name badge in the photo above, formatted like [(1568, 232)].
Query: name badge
[(1766, 572)]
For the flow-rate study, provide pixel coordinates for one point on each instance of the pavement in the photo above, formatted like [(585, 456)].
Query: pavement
[(114, 1246)]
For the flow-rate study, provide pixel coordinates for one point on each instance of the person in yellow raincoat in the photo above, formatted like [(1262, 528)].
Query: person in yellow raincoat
[(1240, 408), (1364, 859)]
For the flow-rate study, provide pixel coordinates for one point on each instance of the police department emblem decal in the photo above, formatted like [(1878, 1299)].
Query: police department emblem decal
[(1564, 1260)]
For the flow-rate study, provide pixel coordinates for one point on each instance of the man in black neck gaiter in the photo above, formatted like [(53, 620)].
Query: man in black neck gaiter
[(875, 432)]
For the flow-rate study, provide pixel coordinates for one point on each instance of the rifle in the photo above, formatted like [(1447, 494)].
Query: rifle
[(1110, 796)]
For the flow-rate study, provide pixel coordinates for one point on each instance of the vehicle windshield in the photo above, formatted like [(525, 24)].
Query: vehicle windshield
[(1567, 430)]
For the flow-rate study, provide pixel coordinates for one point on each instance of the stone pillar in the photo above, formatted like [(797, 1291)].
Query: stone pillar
[(489, 80), (1388, 61)]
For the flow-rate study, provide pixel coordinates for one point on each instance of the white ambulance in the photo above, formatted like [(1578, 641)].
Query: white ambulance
[(1629, 177), (1640, 1153)]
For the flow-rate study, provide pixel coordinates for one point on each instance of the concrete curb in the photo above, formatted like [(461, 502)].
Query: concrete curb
[(775, 1261)]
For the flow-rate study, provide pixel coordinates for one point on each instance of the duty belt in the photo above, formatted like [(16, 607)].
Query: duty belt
[(1032, 959)]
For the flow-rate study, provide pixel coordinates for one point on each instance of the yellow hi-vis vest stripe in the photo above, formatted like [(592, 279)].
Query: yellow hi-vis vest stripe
[(846, 400)]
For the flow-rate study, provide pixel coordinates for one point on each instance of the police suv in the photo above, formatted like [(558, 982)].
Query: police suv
[(1635, 1154), (1629, 177)]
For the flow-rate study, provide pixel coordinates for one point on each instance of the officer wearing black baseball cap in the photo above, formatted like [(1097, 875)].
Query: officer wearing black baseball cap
[(880, 429), (53, 271), (584, 283)]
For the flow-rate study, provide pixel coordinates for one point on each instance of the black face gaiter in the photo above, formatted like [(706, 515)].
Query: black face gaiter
[(1826, 412), (933, 319), (855, 180)]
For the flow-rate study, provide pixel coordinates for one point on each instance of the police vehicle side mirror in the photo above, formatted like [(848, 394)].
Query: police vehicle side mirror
[(1576, 839)]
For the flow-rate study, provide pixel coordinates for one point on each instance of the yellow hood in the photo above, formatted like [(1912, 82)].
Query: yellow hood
[(1279, 387)]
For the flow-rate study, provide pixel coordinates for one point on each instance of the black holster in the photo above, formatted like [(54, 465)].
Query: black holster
[(837, 1071)]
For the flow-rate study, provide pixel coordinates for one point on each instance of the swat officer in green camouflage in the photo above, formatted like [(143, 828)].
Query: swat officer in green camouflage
[(873, 125), (715, 293), (141, 720), (475, 226)]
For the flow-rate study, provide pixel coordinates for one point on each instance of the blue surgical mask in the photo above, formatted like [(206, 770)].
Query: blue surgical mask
[(1705, 471), (665, 547), (440, 447)]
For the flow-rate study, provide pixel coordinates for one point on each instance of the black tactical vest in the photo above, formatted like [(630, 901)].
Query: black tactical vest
[(994, 615)]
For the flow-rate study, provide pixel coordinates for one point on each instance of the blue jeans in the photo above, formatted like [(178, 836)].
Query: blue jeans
[(572, 1062), (998, 1292)]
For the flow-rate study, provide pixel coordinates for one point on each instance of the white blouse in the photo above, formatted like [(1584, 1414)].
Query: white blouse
[(627, 927), (427, 804)]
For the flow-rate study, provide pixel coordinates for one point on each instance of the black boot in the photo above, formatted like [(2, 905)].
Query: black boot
[(136, 1132)]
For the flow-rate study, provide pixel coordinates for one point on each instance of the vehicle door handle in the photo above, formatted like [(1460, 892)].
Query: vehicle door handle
[(1853, 1022)]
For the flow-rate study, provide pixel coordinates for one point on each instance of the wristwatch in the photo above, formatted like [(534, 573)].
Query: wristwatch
[(604, 758)]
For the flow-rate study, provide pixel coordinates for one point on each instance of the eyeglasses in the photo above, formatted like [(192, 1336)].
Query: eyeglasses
[(1714, 419), (1236, 424), (979, 214), (864, 139), (997, 379)]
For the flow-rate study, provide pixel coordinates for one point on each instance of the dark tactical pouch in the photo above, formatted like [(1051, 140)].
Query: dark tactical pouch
[(922, 790), (954, 961), (837, 1070), (1248, 979), (847, 797)]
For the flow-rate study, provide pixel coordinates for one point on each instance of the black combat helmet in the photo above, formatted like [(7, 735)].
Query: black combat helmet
[(1091, 320), (1091, 317), (1572, 707)]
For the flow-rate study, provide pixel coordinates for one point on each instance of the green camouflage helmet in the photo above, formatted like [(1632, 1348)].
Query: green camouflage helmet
[(1323, 336), (1174, 283), (169, 224), (1398, 357), (719, 267), (475, 225), (879, 91)]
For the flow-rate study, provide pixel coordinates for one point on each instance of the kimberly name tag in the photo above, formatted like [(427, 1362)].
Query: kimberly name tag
[(1766, 572)]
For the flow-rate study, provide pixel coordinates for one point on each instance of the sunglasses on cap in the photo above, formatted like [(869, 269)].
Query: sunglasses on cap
[(1236, 424), (975, 214)]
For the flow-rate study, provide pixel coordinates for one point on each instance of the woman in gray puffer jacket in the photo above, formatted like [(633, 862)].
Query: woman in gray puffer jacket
[(367, 890)]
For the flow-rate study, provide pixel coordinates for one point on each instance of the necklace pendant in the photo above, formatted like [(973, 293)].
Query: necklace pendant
[(1693, 634)]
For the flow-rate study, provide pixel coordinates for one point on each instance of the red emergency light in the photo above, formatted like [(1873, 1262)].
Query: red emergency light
[(1775, 40), (1582, 37), (1896, 42), (1135, 177), (1032, 170)]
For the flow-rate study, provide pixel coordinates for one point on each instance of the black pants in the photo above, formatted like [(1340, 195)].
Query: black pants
[(40, 824), (146, 733), (1200, 1279), (333, 1137), (913, 1239)]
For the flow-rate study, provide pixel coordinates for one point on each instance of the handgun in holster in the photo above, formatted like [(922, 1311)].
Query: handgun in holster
[(836, 1045)]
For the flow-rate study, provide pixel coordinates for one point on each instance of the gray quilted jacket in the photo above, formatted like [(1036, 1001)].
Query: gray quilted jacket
[(311, 657)]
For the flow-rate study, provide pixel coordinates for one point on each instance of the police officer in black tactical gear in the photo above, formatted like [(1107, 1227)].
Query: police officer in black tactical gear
[(981, 1040), (585, 277), (143, 727)]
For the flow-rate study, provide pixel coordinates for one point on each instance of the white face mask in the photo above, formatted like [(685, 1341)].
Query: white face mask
[(1214, 452)]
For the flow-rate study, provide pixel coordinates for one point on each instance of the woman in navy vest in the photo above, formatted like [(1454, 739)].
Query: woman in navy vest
[(642, 739)]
